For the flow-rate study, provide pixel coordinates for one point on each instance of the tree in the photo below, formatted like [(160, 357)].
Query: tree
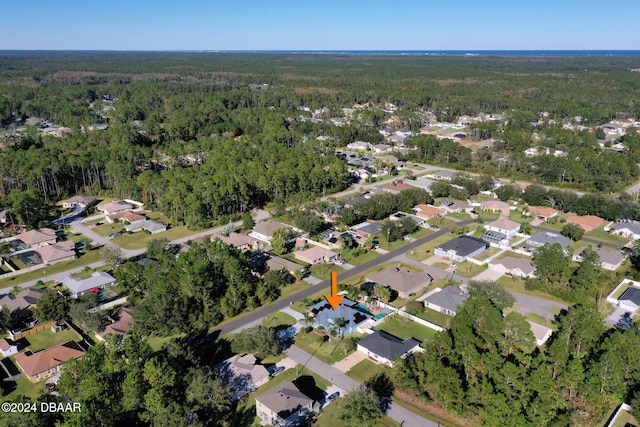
[(157, 247), (279, 239), (498, 296), (53, 305), (5, 317), (572, 232), (550, 262), (111, 255), (361, 407), (87, 319), (247, 221), (382, 292), (258, 340)]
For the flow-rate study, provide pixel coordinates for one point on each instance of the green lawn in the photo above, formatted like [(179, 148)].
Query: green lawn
[(461, 216), (404, 328), (541, 320), (469, 269), (24, 387), (77, 237), (516, 284), (46, 339), (432, 316), (604, 236), (323, 271), (364, 258), (328, 351), (422, 232), (486, 254), (156, 343), (107, 228), (425, 251), (620, 291), (84, 259), (512, 255), (278, 320), (367, 369), (328, 417), (141, 239), (625, 419)]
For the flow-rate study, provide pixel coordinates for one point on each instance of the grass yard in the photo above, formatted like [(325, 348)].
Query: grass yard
[(404, 328), (393, 245), (432, 316), (76, 237), (278, 320), (361, 259), (622, 289), (541, 320), (107, 228), (84, 259), (46, 339), (328, 351), (469, 269), (441, 222), (425, 251), (24, 387), (323, 271), (625, 419), (604, 236), (140, 239), (516, 284), (328, 417), (486, 254), (156, 343), (460, 216), (366, 369), (422, 232), (512, 255)]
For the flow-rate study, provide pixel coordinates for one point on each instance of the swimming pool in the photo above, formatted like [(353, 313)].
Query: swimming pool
[(363, 307), (379, 316)]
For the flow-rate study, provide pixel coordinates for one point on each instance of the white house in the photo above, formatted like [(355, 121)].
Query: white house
[(384, 348), (610, 260), (518, 267), (504, 226), (99, 280)]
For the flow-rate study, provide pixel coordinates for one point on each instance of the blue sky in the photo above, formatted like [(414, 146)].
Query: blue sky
[(326, 25)]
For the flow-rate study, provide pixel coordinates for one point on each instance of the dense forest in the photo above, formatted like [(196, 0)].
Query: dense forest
[(223, 131)]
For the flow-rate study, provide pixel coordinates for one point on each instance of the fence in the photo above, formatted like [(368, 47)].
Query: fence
[(30, 331), (24, 270), (420, 321)]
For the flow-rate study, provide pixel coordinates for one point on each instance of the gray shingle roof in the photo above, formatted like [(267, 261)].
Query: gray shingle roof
[(450, 298), (544, 238), (388, 346), (463, 245), (632, 294), (326, 316)]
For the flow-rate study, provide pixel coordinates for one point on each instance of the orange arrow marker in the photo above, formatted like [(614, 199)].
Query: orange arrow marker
[(334, 299)]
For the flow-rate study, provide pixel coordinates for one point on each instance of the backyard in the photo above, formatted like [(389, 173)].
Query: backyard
[(47, 339), (404, 328)]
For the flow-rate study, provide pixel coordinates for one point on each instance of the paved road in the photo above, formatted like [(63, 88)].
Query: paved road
[(239, 324), (396, 412), (634, 189)]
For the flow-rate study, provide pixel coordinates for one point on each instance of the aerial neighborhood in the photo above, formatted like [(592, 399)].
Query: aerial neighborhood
[(475, 249)]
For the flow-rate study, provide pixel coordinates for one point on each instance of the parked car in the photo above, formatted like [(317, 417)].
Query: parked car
[(333, 396), (278, 370)]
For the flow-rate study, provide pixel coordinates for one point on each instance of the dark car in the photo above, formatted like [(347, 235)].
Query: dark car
[(278, 370), (333, 396)]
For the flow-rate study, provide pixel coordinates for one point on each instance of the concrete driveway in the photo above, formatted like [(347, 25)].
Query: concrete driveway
[(350, 361), (617, 315), (488, 275)]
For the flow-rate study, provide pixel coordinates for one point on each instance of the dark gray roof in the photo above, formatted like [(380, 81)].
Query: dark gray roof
[(284, 399), (387, 346), (464, 245), (544, 238), (632, 226), (368, 227), (354, 201), (325, 315), (632, 294), (450, 298)]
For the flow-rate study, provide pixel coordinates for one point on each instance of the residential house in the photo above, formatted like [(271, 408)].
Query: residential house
[(609, 259), (126, 216), (400, 215), (385, 348), (58, 252), (428, 211), (387, 132), (242, 374), (630, 230), (264, 229), (99, 280), (359, 145), (149, 225), (540, 333), (316, 255), (518, 267), (496, 206), (397, 187), (121, 321), (461, 248), (241, 241), (546, 238), (444, 175), (37, 238), (403, 282), (447, 300), (455, 206), (47, 363), (8, 347), (501, 230), (543, 213), (630, 299), (276, 263), (23, 301), (587, 223), (82, 201), (345, 318), (382, 148), (284, 406), (393, 161), (366, 229), (115, 207), (424, 183)]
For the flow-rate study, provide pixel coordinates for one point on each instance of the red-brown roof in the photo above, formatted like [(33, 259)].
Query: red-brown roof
[(398, 187), (427, 211), (587, 223), (35, 363)]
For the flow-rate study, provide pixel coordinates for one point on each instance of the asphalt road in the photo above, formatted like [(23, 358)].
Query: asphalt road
[(251, 318)]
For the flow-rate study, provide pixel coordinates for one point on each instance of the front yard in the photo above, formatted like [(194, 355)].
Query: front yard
[(329, 350)]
